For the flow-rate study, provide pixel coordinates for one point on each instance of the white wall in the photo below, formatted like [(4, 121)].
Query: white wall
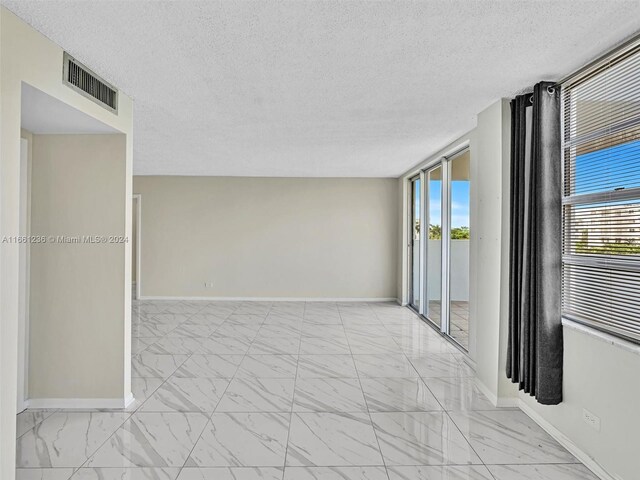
[(268, 237), (492, 227), (600, 374), (76, 301), (27, 56)]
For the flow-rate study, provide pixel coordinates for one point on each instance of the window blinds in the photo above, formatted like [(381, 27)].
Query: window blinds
[(601, 198)]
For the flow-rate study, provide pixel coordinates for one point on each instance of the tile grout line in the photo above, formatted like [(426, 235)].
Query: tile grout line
[(214, 409), (131, 413), (225, 390), (293, 399), (375, 433)]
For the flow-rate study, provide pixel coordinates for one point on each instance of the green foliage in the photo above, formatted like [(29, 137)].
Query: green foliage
[(616, 247), (458, 233)]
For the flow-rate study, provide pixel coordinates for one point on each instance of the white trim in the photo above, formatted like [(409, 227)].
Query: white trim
[(602, 336), (129, 400), (81, 403), (23, 287), (498, 402), (138, 282), (449, 151), (563, 440), (276, 299)]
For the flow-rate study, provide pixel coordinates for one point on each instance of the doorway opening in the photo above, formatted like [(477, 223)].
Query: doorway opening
[(71, 204)]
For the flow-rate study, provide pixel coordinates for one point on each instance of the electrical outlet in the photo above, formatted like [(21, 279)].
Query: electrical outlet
[(591, 419)]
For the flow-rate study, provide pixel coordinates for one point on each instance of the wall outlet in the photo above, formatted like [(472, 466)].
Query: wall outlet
[(591, 419), (208, 284)]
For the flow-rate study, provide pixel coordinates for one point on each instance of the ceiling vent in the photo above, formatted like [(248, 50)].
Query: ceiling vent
[(87, 83)]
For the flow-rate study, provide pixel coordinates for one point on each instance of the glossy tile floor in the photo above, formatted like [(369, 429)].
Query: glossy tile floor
[(250, 390), (459, 324)]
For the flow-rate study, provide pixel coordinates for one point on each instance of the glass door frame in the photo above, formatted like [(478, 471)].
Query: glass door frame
[(444, 163), (419, 177), (425, 251)]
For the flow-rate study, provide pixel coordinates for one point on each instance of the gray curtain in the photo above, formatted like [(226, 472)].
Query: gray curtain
[(535, 348)]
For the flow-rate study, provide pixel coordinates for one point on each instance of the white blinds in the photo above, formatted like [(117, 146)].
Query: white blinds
[(601, 203)]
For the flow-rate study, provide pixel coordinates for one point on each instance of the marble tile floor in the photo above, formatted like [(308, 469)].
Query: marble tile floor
[(291, 391)]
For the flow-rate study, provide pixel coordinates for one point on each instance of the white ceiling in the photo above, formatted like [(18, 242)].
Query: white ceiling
[(41, 113), (319, 88)]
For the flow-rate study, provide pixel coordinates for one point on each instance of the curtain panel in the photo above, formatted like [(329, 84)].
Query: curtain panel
[(535, 346)]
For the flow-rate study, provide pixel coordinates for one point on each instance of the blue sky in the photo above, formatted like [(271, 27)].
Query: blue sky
[(459, 202), (608, 169)]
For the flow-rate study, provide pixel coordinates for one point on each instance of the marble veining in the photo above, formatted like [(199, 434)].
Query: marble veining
[(335, 473), (541, 472), (446, 472), (332, 439), (231, 473), (66, 439), (328, 395), (44, 473), (421, 438), (325, 366), (119, 473), (291, 391), (186, 395), (151, 440), (209, 366), (509, 436), (398, 394), (268, 366), (258, 395), (242, 440)]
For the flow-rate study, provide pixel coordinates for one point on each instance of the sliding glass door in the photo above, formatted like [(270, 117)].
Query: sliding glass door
[(459, 205), (440, 266), (433, 310), (414, 243)]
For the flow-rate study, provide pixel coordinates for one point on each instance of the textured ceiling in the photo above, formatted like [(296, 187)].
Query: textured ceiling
[(319, 88)]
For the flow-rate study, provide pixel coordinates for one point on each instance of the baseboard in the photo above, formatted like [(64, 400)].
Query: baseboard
[(274, 299), (81, 403), (567, 443), (503, 402), (129, 400), (561, 438)]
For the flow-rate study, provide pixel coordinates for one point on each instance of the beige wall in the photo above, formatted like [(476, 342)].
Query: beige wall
[(76, 301), (27, 56), (268, 237)]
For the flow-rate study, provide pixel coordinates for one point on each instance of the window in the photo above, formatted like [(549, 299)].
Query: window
[(601, 202)]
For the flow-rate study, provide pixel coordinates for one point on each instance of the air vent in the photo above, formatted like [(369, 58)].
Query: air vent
[(87, 83)]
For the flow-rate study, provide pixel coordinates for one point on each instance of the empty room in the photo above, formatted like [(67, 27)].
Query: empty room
[(319, 239)]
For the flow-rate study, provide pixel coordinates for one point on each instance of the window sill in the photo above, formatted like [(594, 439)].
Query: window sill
[(605, 337)]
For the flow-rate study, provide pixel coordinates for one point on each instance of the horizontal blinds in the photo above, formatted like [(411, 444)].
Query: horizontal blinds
[(602, 297), (601, 205)]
